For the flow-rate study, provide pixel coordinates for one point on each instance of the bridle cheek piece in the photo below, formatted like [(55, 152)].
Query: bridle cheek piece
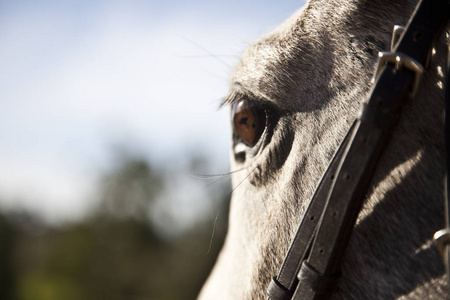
[(312, 265)]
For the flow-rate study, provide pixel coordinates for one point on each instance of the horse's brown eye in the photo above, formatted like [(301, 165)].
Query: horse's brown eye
[(249, 121)]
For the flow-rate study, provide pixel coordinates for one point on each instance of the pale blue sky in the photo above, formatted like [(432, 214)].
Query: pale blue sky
[(79, 76)]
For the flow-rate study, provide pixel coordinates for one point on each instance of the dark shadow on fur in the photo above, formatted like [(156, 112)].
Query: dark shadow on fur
[(391, 236)]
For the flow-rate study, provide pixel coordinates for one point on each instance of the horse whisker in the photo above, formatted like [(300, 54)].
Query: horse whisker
[(212, 176)]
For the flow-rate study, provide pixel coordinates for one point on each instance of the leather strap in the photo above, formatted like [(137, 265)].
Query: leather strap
[(319, 283), (446, 254), (320, 262), (392, 89), (442, 237), (283, 286)]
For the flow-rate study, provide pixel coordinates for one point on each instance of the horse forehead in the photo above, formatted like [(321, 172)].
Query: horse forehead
[(292, 60), (271, 70)]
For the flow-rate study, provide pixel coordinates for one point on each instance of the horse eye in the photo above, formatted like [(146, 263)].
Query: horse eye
[(249, 121)]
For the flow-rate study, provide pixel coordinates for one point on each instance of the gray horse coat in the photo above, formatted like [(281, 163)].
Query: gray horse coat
[(311, 76)]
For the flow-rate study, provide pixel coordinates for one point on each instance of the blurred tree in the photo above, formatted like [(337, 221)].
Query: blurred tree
[(130, 189), (7, 242), (116, 253)]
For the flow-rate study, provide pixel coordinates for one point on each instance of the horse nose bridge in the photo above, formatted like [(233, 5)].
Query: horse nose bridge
[(312, 147)]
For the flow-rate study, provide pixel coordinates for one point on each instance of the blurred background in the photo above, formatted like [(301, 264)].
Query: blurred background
[(113, 149)]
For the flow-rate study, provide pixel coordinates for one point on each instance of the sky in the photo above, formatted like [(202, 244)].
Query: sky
[(78, 78)]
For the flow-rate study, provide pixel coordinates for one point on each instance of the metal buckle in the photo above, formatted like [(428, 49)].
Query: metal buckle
[(442, 239), (397, 33), (400, 61)]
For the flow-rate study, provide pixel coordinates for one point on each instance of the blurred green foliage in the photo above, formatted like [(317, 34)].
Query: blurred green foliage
[(114, 253)]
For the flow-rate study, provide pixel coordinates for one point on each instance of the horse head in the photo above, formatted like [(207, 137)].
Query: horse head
[(293, 97)]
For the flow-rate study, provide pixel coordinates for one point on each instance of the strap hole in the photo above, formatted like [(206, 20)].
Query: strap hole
[(321, 251), (417, 36), (312, 218)]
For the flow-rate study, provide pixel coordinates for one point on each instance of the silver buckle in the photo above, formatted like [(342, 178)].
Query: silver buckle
[(397, 33), (400, 61), (442, 239)]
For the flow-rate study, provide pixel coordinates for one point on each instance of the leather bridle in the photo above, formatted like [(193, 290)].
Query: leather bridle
[(312, 265)]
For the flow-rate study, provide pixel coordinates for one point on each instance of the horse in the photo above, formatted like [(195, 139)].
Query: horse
[(300, 87)]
